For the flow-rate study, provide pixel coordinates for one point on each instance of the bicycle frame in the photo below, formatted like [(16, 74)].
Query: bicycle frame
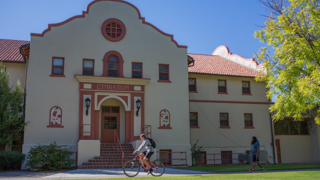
[(145, 168)]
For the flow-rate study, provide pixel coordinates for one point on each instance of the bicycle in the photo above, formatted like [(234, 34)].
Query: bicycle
[(131, 168)]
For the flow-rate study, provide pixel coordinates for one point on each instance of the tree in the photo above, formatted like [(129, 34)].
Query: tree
[(292, 72), (11, 118)]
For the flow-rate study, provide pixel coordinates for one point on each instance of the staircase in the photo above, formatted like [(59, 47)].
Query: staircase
[(109, 157)]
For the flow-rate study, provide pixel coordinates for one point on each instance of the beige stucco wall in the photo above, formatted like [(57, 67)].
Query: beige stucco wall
[(236, 139), (81, 38), (17, 73), (295, 148), (207, 88)]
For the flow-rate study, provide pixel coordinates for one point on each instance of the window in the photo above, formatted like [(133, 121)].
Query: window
[(291, 127), (246, 87), (201, 158), (194, 120), (137, 70), (248, 123), (192, 85), (57, 67), (88, 67), (163, 73), (112, 64), (165, 156), (222, 86), (224, 120), (113, 30), (226, 157)]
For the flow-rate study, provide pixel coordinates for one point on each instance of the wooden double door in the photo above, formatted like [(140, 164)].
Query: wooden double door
[(110, 122)]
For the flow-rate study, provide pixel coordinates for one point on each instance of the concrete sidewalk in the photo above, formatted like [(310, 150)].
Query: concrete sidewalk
[(118, 173)]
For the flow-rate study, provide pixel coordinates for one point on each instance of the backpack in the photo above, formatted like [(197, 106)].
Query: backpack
[(153, 144)]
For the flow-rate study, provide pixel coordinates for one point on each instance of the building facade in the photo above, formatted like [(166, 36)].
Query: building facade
[(107, 75)]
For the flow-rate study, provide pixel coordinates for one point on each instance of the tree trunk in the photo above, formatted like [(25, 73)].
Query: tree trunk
[(8, 146)]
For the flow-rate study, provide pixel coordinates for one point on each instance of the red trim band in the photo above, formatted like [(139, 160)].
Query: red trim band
[(236, 102)]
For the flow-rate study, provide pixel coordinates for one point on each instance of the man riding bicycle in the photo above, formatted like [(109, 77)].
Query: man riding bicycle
[(145, 156)]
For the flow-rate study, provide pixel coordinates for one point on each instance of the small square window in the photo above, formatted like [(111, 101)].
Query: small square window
[(88, 67), (193, 119), (137, 70), (248, 120), (57, 66), (246, 87), (222, 86), (224, 120), (164, 72), (192, 85)]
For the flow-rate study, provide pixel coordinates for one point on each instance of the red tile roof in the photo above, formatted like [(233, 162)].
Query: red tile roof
[(213, 64), (9, 50)]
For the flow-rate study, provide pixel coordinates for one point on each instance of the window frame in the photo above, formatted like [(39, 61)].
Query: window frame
[(289, 129), (228, 153), (195, 85), (87, 67), (246, 87), (52, 66), (137, 70), (170, 156), (119, 63), (164, 81), (248, 127), (225, 85), (224, 127), (197, 126)]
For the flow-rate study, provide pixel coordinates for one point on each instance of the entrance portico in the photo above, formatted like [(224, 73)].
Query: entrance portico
[(99, 89)]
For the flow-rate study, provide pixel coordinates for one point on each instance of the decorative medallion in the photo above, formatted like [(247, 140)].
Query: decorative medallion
[(164, 122)]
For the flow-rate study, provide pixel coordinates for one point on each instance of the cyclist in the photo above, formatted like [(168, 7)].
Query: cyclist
[(145, 156)]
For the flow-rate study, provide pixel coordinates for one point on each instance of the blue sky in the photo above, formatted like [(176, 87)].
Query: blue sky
[(202, 25)]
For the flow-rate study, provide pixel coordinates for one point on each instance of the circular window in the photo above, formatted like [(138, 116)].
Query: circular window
[(113, 29)]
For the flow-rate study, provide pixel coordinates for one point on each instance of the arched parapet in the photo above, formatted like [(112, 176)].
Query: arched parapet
[(50, 26), (224, 52)]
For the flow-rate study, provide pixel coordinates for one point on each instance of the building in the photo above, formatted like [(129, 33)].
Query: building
[(108, 75)]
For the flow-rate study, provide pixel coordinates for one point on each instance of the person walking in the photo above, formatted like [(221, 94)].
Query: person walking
[(255, 150)]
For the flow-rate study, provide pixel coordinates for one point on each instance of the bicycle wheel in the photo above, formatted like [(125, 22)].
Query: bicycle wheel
[(131, 168), (158, 168)]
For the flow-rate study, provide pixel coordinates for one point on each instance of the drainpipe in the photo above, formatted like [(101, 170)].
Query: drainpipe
[(25, 77), (274, 158)]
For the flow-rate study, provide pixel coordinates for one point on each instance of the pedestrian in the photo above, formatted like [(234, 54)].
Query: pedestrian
[(255, 151)]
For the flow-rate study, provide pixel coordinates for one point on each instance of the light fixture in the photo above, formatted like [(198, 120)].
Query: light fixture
[(138, 103), (87, 105)]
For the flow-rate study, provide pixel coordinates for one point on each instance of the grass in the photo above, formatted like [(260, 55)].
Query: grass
[(238, 168), (292, 175)]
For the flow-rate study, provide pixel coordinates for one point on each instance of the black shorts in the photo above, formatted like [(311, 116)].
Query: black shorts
[(148, 154), (254, 159)]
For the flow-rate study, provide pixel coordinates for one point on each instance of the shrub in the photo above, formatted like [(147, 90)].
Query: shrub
[(11, 160), (50, 157)]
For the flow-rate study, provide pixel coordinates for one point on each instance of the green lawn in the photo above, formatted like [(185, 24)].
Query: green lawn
[(276, 175), (237, 168)]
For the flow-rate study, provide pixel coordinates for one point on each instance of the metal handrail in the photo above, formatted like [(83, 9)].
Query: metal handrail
[(116, 139), (172, 159), (81, 132)]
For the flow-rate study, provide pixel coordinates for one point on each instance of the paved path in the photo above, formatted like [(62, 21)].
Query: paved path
[(118, 173), (106, 173)]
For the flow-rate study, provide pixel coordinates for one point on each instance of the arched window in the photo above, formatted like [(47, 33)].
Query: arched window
[(113, 64)]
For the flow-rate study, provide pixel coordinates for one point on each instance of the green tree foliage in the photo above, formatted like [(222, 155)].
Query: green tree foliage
[(293, 71), (11, 118)]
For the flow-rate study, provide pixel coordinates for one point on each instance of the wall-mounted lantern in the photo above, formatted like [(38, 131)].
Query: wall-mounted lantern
[(138, 103), (87, 105)]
